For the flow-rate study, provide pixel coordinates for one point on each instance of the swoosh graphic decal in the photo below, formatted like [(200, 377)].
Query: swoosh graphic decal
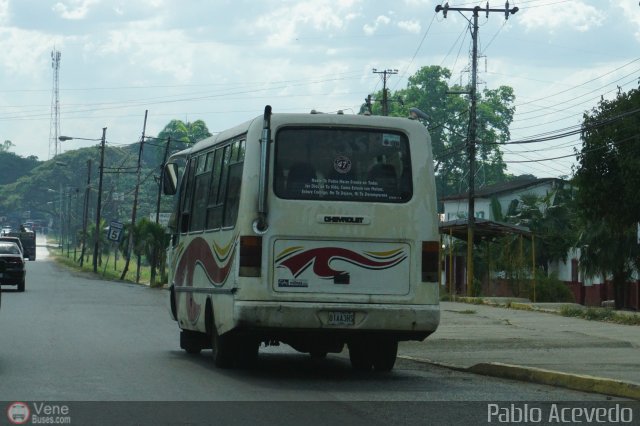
[(321, 259), (198, 252)]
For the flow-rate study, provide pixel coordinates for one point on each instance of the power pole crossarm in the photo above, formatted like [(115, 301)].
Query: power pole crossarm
[(477, 9)]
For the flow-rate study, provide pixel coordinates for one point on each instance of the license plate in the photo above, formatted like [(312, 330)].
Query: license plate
[(342, 318)]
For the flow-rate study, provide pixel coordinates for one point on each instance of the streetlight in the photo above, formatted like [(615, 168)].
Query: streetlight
[(102, 140)]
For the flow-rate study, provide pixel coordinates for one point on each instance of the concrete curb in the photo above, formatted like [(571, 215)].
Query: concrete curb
[(578, 382)]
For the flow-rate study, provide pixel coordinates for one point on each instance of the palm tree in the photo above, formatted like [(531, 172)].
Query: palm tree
[(605, 251), (152, 242)]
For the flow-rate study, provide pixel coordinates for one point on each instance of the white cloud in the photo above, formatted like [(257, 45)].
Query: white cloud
[(370, 29), (153, 50), (630, 10), (285, 24), (410, 26), (4, 11), (74, 9), (24, 52), (414, 3), (576, 15)]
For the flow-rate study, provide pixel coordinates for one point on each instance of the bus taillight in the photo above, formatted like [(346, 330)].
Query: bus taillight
[(250, 256), (430, 252)]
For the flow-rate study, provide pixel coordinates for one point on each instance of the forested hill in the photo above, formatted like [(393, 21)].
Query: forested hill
[(13, 166)]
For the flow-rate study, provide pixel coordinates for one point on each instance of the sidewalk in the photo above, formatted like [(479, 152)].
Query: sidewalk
[(534, 346)]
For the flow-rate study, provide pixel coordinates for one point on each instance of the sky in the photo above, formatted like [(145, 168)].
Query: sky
[(222, 61)]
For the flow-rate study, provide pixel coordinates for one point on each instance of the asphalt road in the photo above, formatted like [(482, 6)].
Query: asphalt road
[(70, 337)]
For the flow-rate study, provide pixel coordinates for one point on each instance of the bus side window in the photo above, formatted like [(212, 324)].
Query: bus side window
[(212, 210), (201, 182), (185, 210), (233, 194)]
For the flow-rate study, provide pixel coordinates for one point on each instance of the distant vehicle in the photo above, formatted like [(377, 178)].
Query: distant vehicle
[(5, 230), (322, 236), (16, 240), (28, 240), (12, 267)]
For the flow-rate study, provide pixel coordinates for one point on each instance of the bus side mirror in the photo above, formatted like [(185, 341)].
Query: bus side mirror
[(170, 179)]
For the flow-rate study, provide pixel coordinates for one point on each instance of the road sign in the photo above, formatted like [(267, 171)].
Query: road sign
[(115, 231)]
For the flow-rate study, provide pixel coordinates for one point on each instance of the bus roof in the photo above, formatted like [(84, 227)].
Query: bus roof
[(293, 119)]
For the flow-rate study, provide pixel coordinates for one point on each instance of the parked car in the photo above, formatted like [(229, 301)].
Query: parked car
[(12, 265), (16, 240)]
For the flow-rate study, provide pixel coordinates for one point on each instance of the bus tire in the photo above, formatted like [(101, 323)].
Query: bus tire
[(247, 351), (222, 349), (172, 302), (191, 342), (316, 354), (360, 356), (384, 357)]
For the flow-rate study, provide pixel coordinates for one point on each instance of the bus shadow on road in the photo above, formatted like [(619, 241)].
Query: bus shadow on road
[(297, 370)]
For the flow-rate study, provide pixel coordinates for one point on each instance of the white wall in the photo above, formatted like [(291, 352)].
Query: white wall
[(455, 209)]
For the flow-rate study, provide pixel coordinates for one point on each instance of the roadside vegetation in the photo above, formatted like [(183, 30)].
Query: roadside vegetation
[(108, 271), (147, 255), (601, 314), (568, 310)]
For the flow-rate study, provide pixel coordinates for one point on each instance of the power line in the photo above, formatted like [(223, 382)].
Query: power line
[(579, 85), (404, 72)]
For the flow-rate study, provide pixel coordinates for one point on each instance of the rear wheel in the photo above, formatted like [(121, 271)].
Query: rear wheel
[(222, 349), (360, 356), (246, 350), (316, 354), (191, 341), (385, 354), (21, 285)]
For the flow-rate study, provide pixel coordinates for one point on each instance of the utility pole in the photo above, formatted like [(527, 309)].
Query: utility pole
[(85, 213), (164, 161), (385, 76), (471, 142), (134, 210), (96, 245)]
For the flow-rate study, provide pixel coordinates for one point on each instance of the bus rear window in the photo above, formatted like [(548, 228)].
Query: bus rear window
[(342, 164)]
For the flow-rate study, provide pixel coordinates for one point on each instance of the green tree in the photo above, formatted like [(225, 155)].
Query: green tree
[(607, 178), (182, 134), (14, 166), (6, 146), (550, 218), (152, 242), (448, 124)]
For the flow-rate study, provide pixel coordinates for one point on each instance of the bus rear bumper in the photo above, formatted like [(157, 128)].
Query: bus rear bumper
[(406, 322)]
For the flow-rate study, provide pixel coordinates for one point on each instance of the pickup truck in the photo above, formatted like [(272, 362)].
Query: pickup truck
[(28, 240)]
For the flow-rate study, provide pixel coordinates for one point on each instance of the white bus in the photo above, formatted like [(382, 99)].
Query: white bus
[(315, 230)]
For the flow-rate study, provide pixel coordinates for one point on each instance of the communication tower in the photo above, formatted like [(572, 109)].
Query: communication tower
[(54, 126)]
